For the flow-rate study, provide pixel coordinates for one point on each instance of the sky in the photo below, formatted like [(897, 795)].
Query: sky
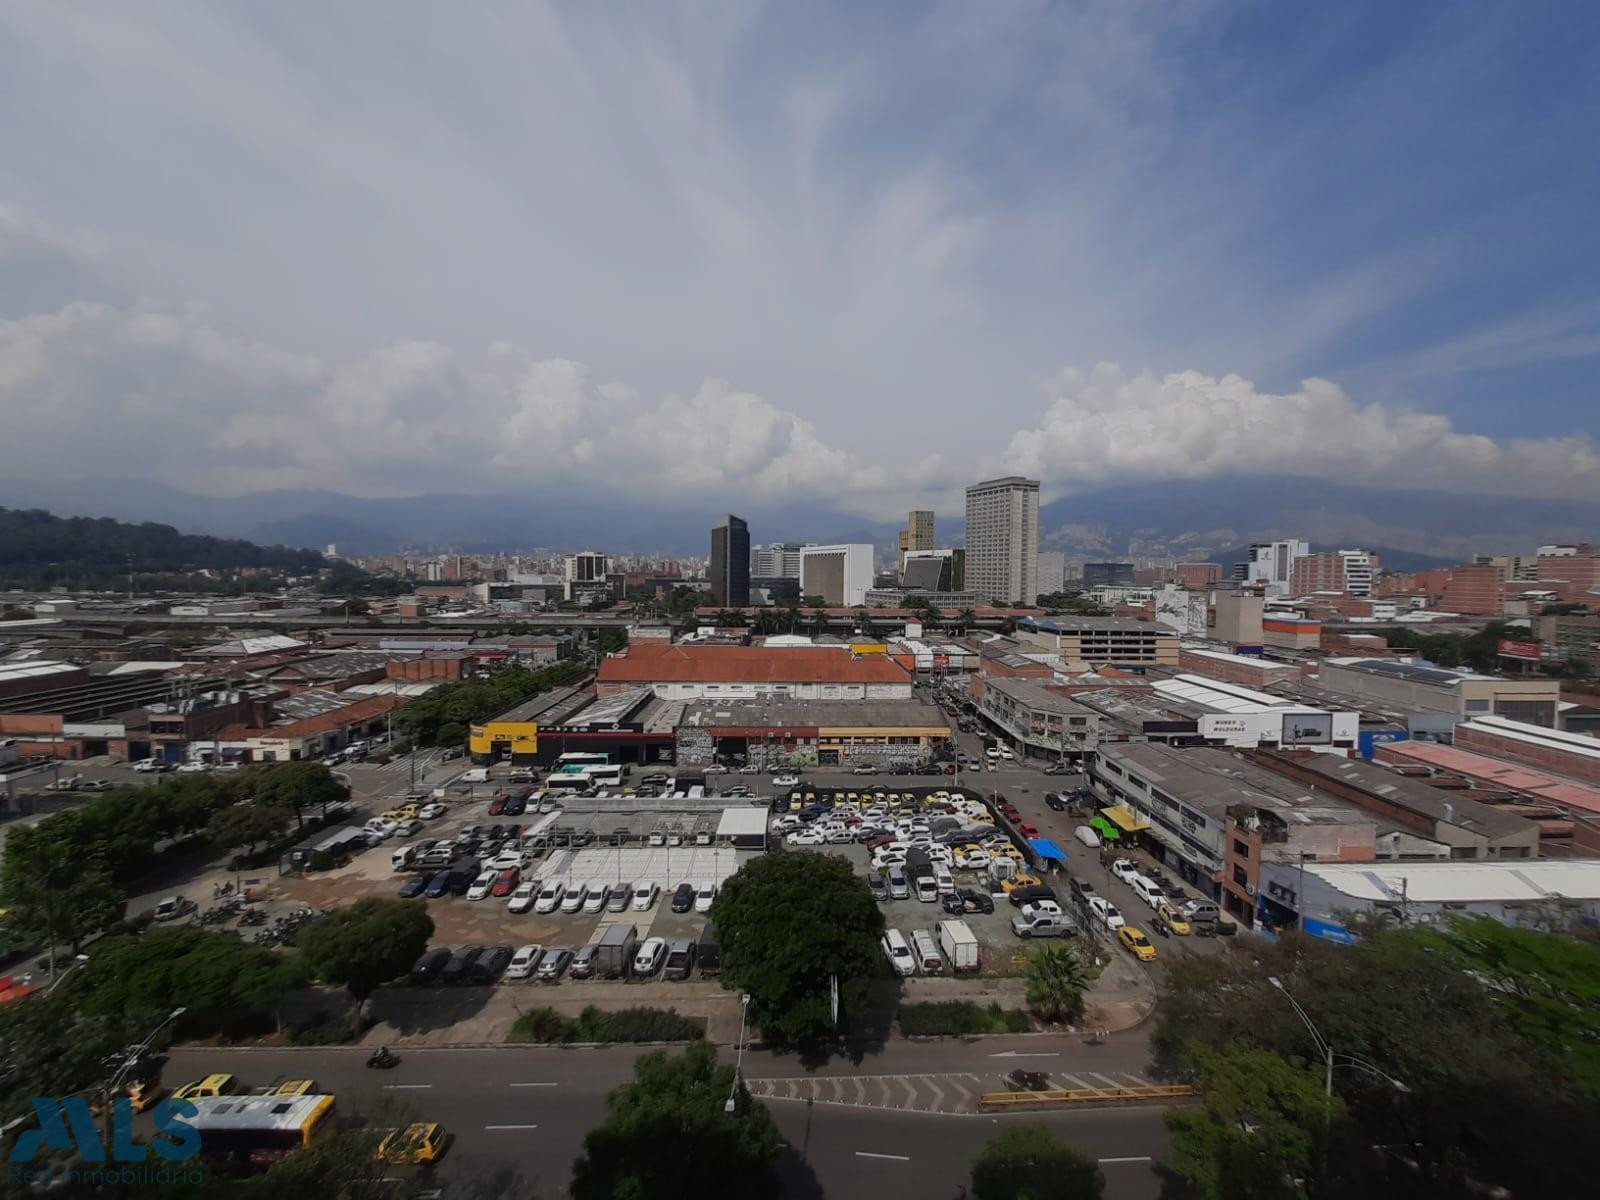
[(860, 254)]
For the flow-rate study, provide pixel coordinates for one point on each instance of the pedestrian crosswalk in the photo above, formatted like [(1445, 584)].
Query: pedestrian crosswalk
[(402, 765), (953, 1094)]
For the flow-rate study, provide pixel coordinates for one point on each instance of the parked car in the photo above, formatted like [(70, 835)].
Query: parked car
[(968, 900), (617, 897), (413, 887), (524, 897), (553, 963), (1055, 801), (550, 896), (898, 951), (1136, 943), (481, 885), (173, 907), (877, 885), (505, 882), (1105, 913), (583, 961), (704, 895), (785, 781), (426, 969), (380, 828), (459, 968), (644, 895), (572, 898), (683, 898), (490, 963), (652, 953), (594, 896), (1125, 869), (524, 962)]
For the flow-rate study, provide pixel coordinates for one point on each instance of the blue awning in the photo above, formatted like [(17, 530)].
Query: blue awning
[(1045, 848)]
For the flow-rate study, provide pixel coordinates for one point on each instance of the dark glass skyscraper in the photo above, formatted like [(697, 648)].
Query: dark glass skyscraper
[(730, 562)]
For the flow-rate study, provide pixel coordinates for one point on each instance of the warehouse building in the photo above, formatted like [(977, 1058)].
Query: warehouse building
[(1452, 695), (780, 733), (689, 672)]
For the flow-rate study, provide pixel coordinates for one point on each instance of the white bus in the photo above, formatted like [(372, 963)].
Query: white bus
[(581, 759), (568, 781)]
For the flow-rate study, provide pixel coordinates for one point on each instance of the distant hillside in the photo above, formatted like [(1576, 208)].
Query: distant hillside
[(39, 549)]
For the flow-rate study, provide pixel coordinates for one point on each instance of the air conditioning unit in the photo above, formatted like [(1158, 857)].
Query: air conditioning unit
[(1250, 889)]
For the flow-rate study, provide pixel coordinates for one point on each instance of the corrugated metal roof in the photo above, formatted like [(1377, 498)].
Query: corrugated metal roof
[(1463, 882)]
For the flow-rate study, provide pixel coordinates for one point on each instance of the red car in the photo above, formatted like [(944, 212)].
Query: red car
[(1028, 829), (506, 882), (498, 805)]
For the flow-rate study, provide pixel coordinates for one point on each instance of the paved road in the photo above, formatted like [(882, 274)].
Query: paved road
[(526, 1110)]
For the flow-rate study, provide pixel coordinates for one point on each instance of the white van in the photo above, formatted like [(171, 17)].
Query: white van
[(475, 775), (926, 951), (927, 889), (943, 880), (898, 952), (1147, 891)]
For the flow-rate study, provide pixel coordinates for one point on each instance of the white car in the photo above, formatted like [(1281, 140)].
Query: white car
[(549, 804), (192, 768), (594, 896), (644, 895), (716, 769), (1105, 912), (481, 885), (806, 837), (523, 962), (432, 812), (550, 896), (522, 899), (1005, 753), (572, 898), (148, 765), (408, 828), (380, 828), (898, 952), (652, 952), (505, 861), (704, 895), (973, 860), (1125, 869), (785, 781), (992, 753)]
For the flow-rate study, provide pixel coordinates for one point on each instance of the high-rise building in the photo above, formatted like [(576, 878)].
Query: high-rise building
[(1199, 575), (917, 535), (779, 560), (1107, 574), (586, 566), (935, 570), (1348, 571), (1052, 571), (730, 562), (841, 574), (1003, 539), (1271, 565)]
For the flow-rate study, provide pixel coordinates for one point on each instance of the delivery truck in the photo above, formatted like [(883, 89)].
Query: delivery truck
[(960, 945)]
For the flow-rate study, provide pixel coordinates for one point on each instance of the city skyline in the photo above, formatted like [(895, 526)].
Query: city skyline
[(1067, 208)]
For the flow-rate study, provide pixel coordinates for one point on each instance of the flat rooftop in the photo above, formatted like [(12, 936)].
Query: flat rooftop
[(1537, 735), (784, 713), (1212, 780), (1410, 672), (1215, 695), (1097, 625), (1446, 808), (1528, 881), (531, 710), (1036, 696)]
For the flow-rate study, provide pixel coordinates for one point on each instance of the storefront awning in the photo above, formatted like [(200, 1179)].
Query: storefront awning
[(1045, 848), (1107, 831), (1124, 817)]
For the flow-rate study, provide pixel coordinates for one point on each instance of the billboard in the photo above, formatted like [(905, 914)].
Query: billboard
[(1307, 729), (1528, 651)]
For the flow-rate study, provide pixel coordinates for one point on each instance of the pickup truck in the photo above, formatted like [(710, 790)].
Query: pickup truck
[(1043, 924)]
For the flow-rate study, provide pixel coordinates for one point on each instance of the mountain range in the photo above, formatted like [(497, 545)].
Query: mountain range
[(1205, 520)]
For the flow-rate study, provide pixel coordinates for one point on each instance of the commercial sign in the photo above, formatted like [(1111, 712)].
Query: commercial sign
[(66, 1123), (1307, 729), (1528, 651)]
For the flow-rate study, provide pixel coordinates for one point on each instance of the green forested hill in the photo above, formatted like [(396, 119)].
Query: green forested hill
[(39, 549)]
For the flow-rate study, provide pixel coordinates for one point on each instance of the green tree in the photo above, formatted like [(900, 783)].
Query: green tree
[(52, 893), (790, 924), (246, 826), (298, 787), (367, 944), (1056, 982), (966, 619), (48, 1048), (667, 1135), (1264, 1128), (223, 982), (451, 734), (1027, 1162)]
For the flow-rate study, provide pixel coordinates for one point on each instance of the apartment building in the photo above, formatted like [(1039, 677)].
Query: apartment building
[(1349, 571), (1037, 720), (1003, 539)]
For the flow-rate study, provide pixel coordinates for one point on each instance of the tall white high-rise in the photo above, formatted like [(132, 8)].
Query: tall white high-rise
[(1271, 565), (1003, 539)]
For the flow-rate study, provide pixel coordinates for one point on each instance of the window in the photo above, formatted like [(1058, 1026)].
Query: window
[(1241, 849), (1477, 706), (1240, 877)]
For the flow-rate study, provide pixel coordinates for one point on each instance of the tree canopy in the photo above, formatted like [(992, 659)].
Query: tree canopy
[(1027, 1162), (297, 787), (790, 923), (1489, 1031), (366, 944), (459, 704), (1057, 981), (667, 1135)]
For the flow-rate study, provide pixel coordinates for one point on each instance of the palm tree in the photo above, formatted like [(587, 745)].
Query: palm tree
[(1056, 982), (819, 619), (967, 619)]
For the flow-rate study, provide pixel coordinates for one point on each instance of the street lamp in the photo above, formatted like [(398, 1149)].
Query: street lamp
[(738, 1061), (130, 1059), (77, 961), (1325, 1052)]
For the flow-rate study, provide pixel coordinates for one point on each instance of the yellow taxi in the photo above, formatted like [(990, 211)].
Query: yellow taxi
[(1136, 941), (1173, 921), (424, 1142), (295, 1087), (1019, 880), (405, 812), (211, 1085), (140, 1096)]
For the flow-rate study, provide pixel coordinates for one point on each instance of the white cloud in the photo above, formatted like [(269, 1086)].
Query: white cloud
[(1107, 424)]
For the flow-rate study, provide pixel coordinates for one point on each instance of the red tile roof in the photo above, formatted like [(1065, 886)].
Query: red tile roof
[(350, 714), (647, 663)]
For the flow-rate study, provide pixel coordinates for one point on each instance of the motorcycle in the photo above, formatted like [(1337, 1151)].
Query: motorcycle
[(381, 1059)]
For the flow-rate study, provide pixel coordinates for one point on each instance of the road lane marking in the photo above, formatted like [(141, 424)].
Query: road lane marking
[(535, 1085), (402, 1087), (511, 1127), (1133, 1158), (893, 1157)]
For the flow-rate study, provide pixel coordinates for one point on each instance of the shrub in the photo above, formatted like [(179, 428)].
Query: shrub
[(639, 1024), (326, 1029), (957, 1017)]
